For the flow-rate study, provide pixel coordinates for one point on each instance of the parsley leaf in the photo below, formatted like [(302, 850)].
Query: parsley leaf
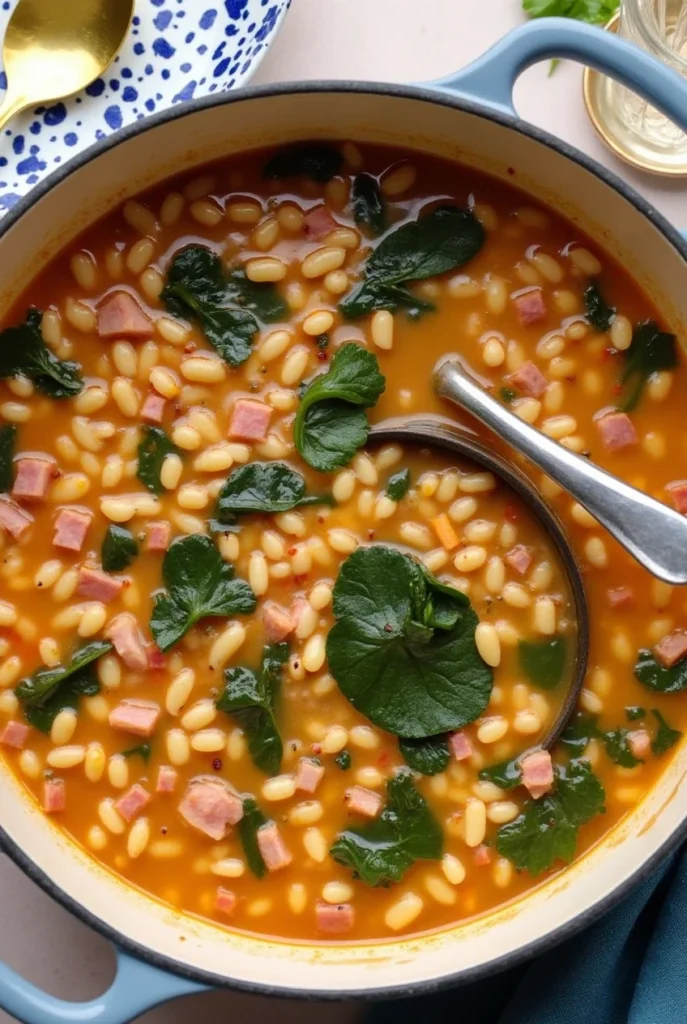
[(119, 549), (229, 310), (250, 699), (507, 395), (49, 691), (153, 448), (406, 831), (440, 241), (595, 12), (368, 204), (252, 821), (262, 487), (427, 756), (634, 713), (343, 760), (142, 750), (651, 350), (330, 424), (665, 737), (199, 585), (546, 831), (403, 650), (23, 351), (655, 676), (618, 748), (544, 661), (584, 727), (398, 485), (315, 160), (505, 774), (599, 313), (8, 437)]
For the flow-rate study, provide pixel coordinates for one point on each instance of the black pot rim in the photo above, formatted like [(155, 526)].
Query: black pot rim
[(644, 208)]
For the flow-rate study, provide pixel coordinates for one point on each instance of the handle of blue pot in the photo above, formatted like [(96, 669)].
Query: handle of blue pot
[(136, 987), (491, 78)]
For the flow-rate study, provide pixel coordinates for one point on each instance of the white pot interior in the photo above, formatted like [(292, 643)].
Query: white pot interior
[(614, 222)]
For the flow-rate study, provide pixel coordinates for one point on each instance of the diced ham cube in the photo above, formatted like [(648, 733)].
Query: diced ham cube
[(97, 585), (537, 773), (138, 717), (14, 519), (529, 380), (620, 597), (211, 806), (166, 779), (678, 492), (460, 745), (272, 848), (153, 408), (318, 223), (133, 801), (33, 478), (120, 316), (158, 535), (278, 623), (639, 742), (309, 775), (334, 919), (128, 642), (671, 648), (249, 420), (363, 801), (617, 431), (481, 855), (530, 306), (14, 735), (519, 558), (54, 796), (71, 527), (156, 659), (225, 901)]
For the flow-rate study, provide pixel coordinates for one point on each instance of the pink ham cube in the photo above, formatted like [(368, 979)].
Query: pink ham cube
[(158, 536), (278, 623), (678, 492), (318, 223), (363, 801), (211, 806), (133, 801), (460, 745), (153, 408), (97, 585), (120, 316), (272, 848), (529, 380), (14, 735), (639, 742), (537, 773), (519, 558), (13, 519), (167, 778), (620, 597), (249, 420), (530, 306), (309, 775), (54, 796), (334, 919), (225, 901), (71, 527), (671, 648), (126, 637), (138, 717), (617, 431), (33, 478)]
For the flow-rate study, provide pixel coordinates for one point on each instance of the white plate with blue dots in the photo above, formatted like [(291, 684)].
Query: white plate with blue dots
[(176, 50)]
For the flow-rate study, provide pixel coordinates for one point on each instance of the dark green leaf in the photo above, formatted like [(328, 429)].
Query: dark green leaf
[(83, 683), (505, 775), (142, 751), (8, 436), (546, 831), (618, 748), (368, 204), (153, 448), (634, 713), (389, 662), (579, 731), (330, 424), (251, 699), (119, 549), (49, 691), (599, 313), (398, 485), (406, 831), (262, 300), (428, 757), (199, 585), (440, 241), (651, 350), (314, 160), (507, 395), (259, 487), (253, 819), (23, 351), (665, 737), (595, 12), (544, 661), (655, 676), (343, 760)]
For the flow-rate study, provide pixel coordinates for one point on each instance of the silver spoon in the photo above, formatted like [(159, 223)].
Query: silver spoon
[(655, 535)]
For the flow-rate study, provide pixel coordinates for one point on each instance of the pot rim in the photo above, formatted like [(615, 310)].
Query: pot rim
[(465, 104)]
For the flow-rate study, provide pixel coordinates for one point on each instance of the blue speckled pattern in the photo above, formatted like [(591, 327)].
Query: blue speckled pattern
[(176, 50)]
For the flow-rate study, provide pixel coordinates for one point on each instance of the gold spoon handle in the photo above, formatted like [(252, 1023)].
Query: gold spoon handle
[(11, 105)]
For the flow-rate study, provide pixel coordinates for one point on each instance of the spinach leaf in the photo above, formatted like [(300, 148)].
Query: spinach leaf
[(406, 831), (665, 737), (330, 424), (314, 160), (343, 760), (253, 819), (618, 748), (428, 757), (595, 12), (543, 661), (651, 350), (250, 699), (22, 350), (655, 676), (228, 310), (599, 313), (199, 585), (505, 775), (142, 751), (579, 731), (507, 395), (119, 549), (546, 831), (398, 485), (442, 240), (153, 447), (263, 487), (8, 436), (49, 691), (634, 713), (390, 653), (368, 204)]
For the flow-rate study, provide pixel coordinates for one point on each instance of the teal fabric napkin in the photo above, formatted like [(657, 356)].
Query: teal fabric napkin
[(630, 967)]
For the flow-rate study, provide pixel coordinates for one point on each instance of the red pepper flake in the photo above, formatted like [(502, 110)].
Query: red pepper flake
[(511, 170), (190, 346), (511, 512), (322, 356), (300, 579), (316, 748), (616, 388), (291, 551), (217, 763)]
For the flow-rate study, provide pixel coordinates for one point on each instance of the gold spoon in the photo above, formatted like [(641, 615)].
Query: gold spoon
[(54, 48)]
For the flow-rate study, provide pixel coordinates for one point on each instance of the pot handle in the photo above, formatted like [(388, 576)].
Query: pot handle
[(491, 78), (136, 987)]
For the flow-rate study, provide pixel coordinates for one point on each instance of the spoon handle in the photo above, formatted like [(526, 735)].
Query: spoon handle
[(10, 106), (653, 533)]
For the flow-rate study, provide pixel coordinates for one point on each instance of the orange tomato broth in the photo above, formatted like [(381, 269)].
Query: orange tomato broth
[(177, 864)]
